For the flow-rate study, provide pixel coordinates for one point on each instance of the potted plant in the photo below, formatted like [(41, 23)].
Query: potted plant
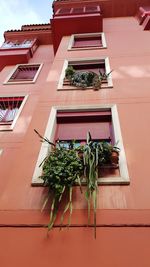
[(115, 155), (66, 165), (85, 79), (108, 154), (62, 168)]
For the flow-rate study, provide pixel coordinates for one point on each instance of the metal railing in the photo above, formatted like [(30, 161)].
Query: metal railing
[(16, 44)]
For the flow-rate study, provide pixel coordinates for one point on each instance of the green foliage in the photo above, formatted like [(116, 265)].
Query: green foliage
[(91, 174), (85, 78), (63, 167), (69, 72), (104, 75)]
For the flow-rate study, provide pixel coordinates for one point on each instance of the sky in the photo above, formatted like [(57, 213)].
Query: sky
[(15, 13)]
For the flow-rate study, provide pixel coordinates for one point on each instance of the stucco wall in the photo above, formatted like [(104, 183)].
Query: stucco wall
[(20, 203)]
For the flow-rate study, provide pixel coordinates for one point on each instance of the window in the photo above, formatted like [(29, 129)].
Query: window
[(78, 10), (87, 41), (17, 44), (27, 44), (24, 73), (65, 124), (92, 65), (10, 108)]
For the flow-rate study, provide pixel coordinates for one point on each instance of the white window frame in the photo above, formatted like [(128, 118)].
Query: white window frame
[(86, 60), (1, 151), (23, 82), (50, 134), (97, 34), (11, 127)]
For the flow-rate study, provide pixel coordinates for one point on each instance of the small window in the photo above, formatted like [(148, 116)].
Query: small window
[(62, 11), (72, 123), (87, 41), (10, 108), (17, 44), (81, 42), (92, 9), (24, 73), (94, 66), (78, 10)]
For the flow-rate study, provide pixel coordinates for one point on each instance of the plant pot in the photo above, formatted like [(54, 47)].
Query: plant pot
[(80, 154), (115, 157), (66, 81)]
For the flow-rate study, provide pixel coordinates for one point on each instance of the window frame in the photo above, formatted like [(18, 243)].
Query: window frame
[(18, 44), (86, 60), (50, 134), (74, 11), (99, 34), (11, 127), (7, 82), (1, 151)]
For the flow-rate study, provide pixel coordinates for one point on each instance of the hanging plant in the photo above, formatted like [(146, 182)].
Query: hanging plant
[(90, 157), (95, 156), (62, 168), (65, 166)]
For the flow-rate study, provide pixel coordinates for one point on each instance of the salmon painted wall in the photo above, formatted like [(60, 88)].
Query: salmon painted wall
[(128, 50), (112, 248)]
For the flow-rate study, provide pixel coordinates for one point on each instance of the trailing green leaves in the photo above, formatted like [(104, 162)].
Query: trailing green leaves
[(91, 174), (62, 168), (65, 166)]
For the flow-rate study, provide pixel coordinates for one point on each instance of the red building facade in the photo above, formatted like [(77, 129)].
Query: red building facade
[(88, 35)]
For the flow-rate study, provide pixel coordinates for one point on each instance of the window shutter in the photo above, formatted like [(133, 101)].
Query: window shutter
[(75, 125), (87, 42)]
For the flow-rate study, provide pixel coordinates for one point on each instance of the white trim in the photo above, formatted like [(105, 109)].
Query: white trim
[(1, 151), (11, 127), (109, 79), (62, 75), (86, 60), (6, 82), (97, 34), (50, 133)]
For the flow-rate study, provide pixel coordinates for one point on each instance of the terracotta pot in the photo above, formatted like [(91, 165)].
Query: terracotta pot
[(115, 157), (80, 154)]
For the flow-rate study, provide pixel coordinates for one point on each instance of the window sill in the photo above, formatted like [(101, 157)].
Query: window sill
[(86, 48), (71, 88), (117, 180)]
